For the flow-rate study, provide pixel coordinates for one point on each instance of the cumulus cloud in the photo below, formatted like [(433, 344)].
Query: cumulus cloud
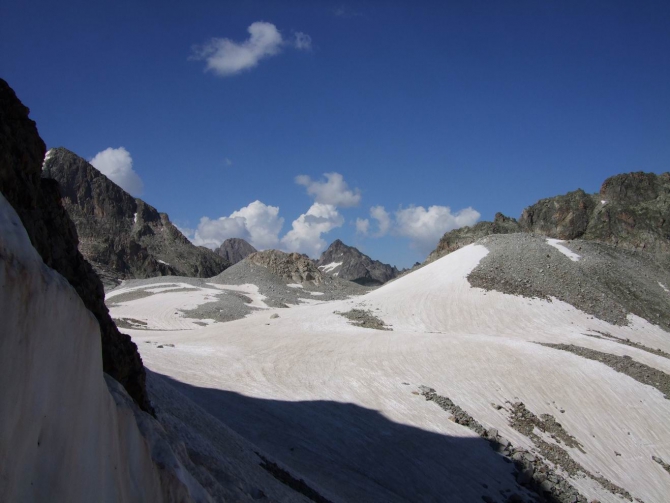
[(305, 235), (333, 191), (257, 223), (226, 57), (117, 165), (362, 226), (426, 226), (383, 220)]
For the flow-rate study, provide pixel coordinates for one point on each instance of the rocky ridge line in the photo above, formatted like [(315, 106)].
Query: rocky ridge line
[(630, 211)]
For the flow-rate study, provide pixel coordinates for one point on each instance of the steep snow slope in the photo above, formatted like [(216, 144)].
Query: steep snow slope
[(341, 404)]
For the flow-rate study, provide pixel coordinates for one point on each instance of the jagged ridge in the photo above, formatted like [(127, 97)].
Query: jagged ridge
[(631, 211)]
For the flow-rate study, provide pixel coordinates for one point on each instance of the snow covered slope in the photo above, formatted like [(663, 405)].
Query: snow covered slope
[(472, 395)]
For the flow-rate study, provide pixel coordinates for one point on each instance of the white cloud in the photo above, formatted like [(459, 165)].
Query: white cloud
[(117, 165), (383, 220), (426, 226), (257, 223), (302, 41), (305, 236), (333, 191), (362, 226), (226, 57), (227, 162)]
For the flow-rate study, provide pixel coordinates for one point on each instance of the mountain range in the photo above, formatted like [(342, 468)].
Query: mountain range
[(526, 361)]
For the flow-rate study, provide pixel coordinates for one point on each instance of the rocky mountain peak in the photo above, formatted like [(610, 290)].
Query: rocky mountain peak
[(347, 262), (235, 250), (122, 236)]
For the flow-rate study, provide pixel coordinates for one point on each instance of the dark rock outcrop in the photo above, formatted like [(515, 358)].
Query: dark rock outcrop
[(37, 201), (631, 211), (288, 266), (354, 265), (123, 237), (561, 217), (458, 238), (235, 250)]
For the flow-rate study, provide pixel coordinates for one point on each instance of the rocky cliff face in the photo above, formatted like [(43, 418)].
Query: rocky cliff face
[(121, 236), (347, 262), (37, 201), (235, 250), (631, 211), (289, 266)]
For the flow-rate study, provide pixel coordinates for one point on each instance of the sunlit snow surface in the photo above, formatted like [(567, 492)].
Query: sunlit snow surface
[(476, 347)]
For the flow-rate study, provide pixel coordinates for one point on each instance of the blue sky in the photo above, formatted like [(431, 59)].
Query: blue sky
[(427, 114)]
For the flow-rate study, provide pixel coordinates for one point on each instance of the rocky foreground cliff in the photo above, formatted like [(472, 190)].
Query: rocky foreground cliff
[(631, 211), (121, 236), (38, 203)]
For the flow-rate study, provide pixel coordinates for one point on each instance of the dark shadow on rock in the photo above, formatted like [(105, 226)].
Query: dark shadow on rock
[(350, 453)]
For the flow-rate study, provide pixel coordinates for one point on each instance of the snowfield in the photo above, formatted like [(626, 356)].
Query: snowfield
[(340, 406)]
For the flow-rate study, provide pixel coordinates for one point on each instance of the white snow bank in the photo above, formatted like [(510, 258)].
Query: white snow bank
[(330, 267), (565, 251), (294, 285), (63, 437)]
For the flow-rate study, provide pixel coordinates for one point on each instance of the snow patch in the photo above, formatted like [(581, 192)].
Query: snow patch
[(316, 293), (565, 251), (663, 287), (330, 267), (49, 154), (603, 202), (294, 285), (162, 262), (135, 217)]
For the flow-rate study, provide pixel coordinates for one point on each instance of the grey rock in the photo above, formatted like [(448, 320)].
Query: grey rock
[(630, 211), (121, 236), (289, 266), (235, 250), (356, 266)]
